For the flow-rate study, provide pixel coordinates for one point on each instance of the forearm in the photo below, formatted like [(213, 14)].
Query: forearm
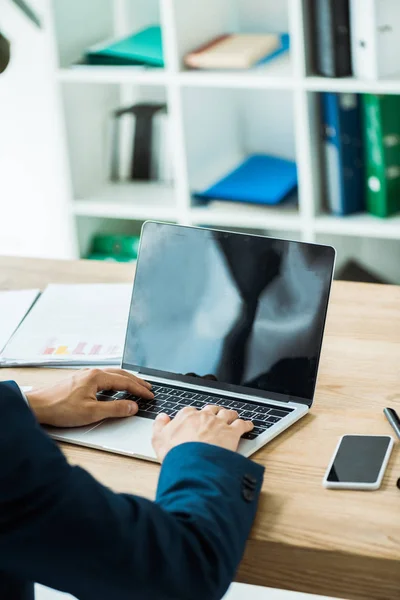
[(223, 514), (81, 538), (62, 528)]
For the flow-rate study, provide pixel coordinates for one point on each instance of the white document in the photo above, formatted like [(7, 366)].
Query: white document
[(73, 325), (13, 307), (375, 38)]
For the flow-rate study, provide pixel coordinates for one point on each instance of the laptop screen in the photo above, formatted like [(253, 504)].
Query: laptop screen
[(247, 312)]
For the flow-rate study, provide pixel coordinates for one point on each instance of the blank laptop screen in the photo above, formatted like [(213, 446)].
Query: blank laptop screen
[(245, 310)]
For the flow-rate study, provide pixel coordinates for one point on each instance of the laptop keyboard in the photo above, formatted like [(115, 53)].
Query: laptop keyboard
[(170, 400)]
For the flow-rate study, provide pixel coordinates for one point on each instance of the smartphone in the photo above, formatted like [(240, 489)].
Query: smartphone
[(359, 462)]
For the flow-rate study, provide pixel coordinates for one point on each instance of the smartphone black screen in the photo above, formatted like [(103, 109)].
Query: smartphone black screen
[(359, 459)]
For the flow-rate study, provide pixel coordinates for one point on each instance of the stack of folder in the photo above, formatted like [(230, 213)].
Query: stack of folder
[(143, 48), (355, 37), (361, 143), (259, 179), (382, 153), (342, 141)]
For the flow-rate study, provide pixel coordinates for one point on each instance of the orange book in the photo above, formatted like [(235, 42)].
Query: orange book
[(233, 51)]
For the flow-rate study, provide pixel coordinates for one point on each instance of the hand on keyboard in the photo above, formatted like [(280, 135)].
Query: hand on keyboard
[(211, 425), (73, 402)]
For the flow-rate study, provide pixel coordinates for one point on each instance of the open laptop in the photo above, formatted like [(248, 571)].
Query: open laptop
[(219, 318)]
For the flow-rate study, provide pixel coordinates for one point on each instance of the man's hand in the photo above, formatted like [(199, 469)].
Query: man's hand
[(72, 402), (212, 425)]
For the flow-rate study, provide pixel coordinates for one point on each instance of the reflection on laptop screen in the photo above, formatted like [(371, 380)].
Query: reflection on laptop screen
[(248, 310)]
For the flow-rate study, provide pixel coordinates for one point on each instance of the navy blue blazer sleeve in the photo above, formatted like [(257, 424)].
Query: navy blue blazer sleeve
[(60, 527)]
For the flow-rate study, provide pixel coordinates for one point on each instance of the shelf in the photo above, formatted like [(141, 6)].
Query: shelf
[(247, 216), (274, 75), (362, 225), (136, 201), (89, 74), (352, 85)]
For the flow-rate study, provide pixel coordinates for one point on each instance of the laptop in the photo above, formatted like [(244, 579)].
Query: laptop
[(222, 318)]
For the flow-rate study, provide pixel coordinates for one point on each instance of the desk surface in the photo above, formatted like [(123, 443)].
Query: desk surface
[(336, 543)]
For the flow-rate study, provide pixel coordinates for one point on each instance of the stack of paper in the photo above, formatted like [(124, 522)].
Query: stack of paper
[(13, 307), (72, 325)]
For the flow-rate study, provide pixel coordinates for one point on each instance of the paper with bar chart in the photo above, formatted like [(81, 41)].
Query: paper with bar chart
[(72, 325)]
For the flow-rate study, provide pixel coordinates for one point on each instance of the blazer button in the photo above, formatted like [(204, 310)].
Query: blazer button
[(248, 494), (250, 481)]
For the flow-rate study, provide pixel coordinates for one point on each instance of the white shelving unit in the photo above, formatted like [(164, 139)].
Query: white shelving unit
[(216, 119)]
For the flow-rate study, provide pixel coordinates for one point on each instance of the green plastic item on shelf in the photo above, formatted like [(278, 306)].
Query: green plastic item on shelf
[(122, 258), (141, 48), (116, 245)]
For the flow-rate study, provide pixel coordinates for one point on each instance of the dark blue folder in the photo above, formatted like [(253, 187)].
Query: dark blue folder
[(260, 179), (343, 149)]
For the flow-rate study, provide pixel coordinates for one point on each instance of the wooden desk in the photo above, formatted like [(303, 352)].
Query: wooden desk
[(334, 543)]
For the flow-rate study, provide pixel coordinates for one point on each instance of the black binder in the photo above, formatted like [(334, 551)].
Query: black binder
[(142, 148), (330, 27)]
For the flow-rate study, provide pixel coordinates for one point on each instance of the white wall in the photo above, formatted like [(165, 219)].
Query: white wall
[(34, 186)]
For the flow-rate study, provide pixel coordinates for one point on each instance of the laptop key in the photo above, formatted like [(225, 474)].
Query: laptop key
[(246, 414), (225, 402), (257, 430), (250, 407), (262, 409), (168, 411), (175, 393), (162, 396), (188, 395), (147, 415), (121, 395), (101, 398), (279, 413), (158, 402), (236, 405), (107, 392), (212, 400), (260, 416), (168, 405), (249, 436), (198, 404), (153, 413), (198, 397), (142, 402), (272, 419), (258, 423)]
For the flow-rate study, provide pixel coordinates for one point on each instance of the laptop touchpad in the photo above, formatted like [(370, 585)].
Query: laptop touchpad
[(131, 436)]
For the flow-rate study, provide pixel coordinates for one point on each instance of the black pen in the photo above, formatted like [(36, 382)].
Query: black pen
[(393, 419)]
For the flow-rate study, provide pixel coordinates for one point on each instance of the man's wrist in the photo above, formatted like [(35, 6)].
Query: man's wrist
[(34, 403)]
